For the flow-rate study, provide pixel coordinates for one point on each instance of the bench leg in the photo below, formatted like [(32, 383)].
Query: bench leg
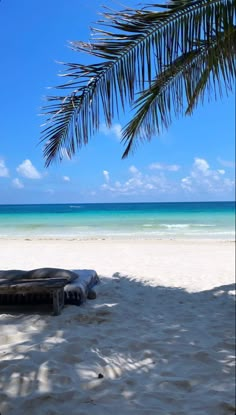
[(58, 301)]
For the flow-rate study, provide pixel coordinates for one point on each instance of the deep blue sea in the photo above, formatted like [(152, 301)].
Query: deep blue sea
[(208, 220)]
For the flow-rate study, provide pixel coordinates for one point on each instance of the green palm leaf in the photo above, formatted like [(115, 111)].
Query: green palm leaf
[(192, 76), (137, 48)]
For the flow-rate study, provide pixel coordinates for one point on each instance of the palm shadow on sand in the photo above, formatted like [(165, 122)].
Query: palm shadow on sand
[(137, 348)]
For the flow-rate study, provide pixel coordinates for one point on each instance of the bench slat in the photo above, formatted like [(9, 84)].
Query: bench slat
[(54, 286)]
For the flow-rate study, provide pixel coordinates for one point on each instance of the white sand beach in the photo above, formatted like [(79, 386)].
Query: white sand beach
[(158, 339)]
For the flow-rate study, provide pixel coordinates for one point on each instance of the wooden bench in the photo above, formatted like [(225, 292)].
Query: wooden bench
[(52, 286)]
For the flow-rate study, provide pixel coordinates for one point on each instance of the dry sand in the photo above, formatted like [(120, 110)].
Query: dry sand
[(160, 333)]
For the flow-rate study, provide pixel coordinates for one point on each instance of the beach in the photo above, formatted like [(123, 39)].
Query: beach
[(158, 339)]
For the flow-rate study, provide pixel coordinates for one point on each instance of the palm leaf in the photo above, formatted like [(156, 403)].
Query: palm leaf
[(190, 78), (132, 49)]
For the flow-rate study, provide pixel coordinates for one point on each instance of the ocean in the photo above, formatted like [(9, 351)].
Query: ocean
[(205, 220)]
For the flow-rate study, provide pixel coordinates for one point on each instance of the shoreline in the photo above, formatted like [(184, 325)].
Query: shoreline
[(117, 238)]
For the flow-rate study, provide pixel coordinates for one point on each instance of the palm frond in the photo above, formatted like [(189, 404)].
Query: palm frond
[(133, 48), (216, 74), (192, 77), (156, 104)]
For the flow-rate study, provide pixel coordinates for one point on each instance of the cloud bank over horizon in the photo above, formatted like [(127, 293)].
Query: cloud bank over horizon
[(155, 182), (200, 180)]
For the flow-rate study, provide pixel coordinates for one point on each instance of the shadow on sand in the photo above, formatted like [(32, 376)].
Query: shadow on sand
[(136, 349)]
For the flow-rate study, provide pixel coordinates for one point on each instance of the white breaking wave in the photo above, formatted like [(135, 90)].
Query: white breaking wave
[(187, 225), (205, 225), (175, 225)]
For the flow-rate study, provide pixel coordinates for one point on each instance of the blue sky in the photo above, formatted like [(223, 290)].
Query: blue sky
[(194, 160)]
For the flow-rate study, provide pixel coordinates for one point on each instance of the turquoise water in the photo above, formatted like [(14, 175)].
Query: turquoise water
[(137, 220)]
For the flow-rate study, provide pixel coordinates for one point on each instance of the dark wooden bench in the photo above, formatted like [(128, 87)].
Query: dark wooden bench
[(52, 286)]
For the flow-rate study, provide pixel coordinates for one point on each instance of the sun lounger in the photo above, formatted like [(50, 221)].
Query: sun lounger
[(58, 286), (53, 288)]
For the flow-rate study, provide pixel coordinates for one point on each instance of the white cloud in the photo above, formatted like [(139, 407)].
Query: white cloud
[(203, 178), (138, 183), (26, 169), (106, 175), (4, 172), (221, 171), (66, 178), (133, 170), (167, 167), (149, 186), (17, 183), (115, 130), (186, 184), (201, 165)]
